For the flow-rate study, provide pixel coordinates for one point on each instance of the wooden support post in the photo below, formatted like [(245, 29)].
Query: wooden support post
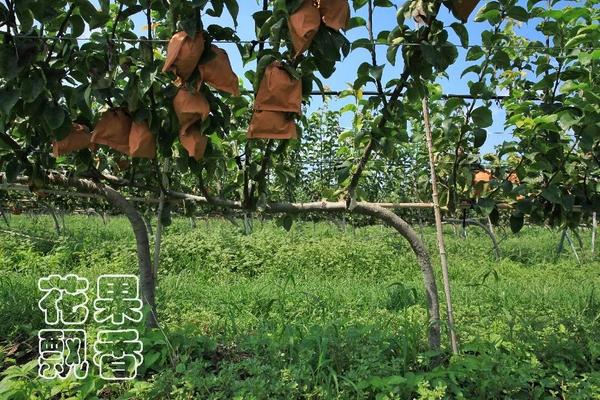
[(572, 247), (7, 222), (561, 243), (594, 227), (56, 222), (159, 225), (439, 229)]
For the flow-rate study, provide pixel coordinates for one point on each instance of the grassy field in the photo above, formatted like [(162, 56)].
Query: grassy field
[(316, 313)]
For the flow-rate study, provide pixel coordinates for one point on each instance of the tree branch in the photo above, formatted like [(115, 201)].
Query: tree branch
[(61, 31), (384, 119)]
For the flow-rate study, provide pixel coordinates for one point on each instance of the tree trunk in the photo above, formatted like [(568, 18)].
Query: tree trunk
[(423, 259), (147, 281), (147, 284), (148, 221)]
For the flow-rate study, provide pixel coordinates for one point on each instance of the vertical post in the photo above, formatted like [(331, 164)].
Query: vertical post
[(561, 243), (594, 227), (7, 222), (159, 225), (572, 247), (56, 222), (439, 229)]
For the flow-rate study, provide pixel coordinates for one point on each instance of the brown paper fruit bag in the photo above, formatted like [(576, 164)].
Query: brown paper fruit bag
[(271, 125), (113, 130), (481, 181), (303, 25), (335, 13), (194, 142), (183, 54), (190, 108), (142, 143), (218, 73), (278, 91), (463, 8), (77, 139)]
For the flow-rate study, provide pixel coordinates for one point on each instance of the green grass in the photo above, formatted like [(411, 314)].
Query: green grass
[(317, 313)]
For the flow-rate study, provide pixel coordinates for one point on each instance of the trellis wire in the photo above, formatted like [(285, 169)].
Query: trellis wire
[(257, 42)]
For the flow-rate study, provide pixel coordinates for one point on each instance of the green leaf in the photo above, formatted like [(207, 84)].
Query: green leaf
[(234, 9), (516, 221), (190, 26), (358, 4), (8, 99), (482, 116), (552, 194), (479, 137), (33, 86), (486, 205), (77, 25), (383, 3), (356, 22), (392, 53), (54, 116), (430, 54), (461, 32), (13, 167), (490, 12), (518, 13), (376, 71), (476, 69), (474, 53)]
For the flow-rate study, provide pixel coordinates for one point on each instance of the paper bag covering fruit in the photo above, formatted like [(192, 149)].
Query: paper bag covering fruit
[(335, 13), (183, 54), (141, 141), (272, 125), (190, 107), (481, 181), (217, 72), (194, 142), (112, 130), (278, 91), (303, 25), (462, 8), (77, 139), (279, 97)]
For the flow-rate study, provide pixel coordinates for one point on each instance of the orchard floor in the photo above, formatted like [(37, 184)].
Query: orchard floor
[(318, 312)]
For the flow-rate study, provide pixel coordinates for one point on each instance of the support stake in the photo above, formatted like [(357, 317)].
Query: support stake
[(439, 229), (159, 225), (594, 227)]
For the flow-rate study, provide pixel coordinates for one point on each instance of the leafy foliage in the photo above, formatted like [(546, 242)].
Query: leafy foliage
[(316, 311)]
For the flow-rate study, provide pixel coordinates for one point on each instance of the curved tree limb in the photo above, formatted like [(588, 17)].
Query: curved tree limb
[(147, 285), (485, 228)]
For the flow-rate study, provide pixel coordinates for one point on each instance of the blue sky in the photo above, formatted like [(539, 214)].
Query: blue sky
[(384, 19)]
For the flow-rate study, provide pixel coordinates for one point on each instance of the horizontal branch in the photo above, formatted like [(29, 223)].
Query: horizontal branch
[(274, 207)]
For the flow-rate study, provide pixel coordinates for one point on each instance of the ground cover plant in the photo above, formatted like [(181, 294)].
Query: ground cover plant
[(319, 311)]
